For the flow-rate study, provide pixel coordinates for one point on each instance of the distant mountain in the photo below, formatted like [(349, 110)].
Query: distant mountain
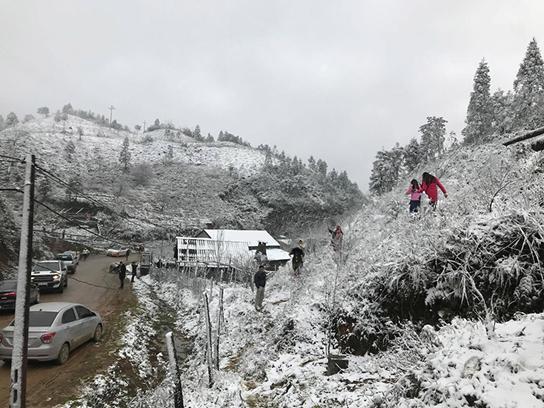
[(173, 183)]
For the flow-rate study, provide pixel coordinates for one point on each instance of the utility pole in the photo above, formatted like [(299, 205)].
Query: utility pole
[(20, 335), (111, 108)]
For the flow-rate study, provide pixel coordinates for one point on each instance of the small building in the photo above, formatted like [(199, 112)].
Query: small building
[(230, 248)]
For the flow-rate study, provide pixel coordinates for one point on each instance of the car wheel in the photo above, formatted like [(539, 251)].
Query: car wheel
[(97, 333), (60, 289), (64, 353)]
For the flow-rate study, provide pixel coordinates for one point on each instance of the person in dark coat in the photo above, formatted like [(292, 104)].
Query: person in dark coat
[(122, 274), (260, 282), (134, 266), (127, 254), (298, 257)]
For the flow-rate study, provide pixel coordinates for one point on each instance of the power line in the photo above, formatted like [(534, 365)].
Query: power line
[(17, 159), (58, 214), (92, 199)]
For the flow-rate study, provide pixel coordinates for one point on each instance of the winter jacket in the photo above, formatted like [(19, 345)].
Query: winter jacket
[(415, 195), (260, 279), (122, 270), (298, 254), (432, 189)]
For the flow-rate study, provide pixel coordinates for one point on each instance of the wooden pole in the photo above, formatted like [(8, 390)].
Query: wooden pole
[(218, 331), (174, 370), (209, 348)]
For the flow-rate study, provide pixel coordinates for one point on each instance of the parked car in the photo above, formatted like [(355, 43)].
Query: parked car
[(55, 330), (117, 252), (8, 294), (50, 275), (70, 259)]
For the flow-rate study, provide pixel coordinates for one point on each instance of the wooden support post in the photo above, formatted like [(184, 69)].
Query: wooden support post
[(209, 348), (174, 370), (218, 330)]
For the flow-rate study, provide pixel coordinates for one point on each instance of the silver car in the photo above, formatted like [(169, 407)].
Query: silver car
[(56, 328)]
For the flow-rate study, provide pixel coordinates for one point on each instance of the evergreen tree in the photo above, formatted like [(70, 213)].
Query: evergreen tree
[(69, 151), (210, 138), (74, 183), (68, 109), (28, 117), (412, 155), (44, 110), (11, 119), (2, 123), (44, 188), (124, 156), (312, 164), (433, 136), (528, 104), (386, 170), (170, 154), (501, 104), (479, 112), (321, 167)]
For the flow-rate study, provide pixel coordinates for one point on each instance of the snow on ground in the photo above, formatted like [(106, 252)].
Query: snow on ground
[(48, 139)]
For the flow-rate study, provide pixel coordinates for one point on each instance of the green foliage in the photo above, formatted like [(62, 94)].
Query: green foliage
[(480, 110), (528, 103), (11, 119), (125, 155), (44, 110), (69, 151)]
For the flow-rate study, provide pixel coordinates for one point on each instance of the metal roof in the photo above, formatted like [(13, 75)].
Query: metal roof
[(251, 237)]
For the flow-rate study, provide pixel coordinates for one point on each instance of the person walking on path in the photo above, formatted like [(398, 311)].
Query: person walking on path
[(134, 266), (122, 274), (430, 185), (337, 236), (260, 282), (298, 256), (415, 196), (127, 254)]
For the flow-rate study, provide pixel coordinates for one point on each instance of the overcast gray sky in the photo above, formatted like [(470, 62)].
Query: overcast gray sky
[(334, 79)]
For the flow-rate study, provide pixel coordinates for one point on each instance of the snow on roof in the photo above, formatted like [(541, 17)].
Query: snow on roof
[(251, 237), (276, 254)]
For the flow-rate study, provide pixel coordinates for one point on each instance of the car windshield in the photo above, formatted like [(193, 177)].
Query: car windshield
[(8, 285), (46, 267), (39, 318), (64, 257)]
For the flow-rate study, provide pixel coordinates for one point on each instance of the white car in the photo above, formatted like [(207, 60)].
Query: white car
[(117, 252), (55, 330), (50, 275)]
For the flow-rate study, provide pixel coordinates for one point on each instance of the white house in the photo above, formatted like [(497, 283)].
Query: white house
[(223, 247)]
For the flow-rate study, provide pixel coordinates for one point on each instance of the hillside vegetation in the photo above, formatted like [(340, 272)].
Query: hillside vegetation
[(166, 180)]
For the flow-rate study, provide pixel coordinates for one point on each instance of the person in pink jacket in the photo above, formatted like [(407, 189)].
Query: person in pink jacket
[(430, 185), (415, 196)]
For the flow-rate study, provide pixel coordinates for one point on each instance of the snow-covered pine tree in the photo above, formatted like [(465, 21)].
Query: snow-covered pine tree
[(433, 136), (11, 119), (528, 103), (479, 111), (69, 151), (412, 155), (501, 103), (386, 170), (124, 156)]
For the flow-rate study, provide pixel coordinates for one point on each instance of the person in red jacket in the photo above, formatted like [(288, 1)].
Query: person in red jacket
[(430, 185)]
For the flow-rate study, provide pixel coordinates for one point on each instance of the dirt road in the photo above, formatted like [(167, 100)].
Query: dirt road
[(49, 384)]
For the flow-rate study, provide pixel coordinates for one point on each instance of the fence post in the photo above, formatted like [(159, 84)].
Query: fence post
[(174, 370), (218, 331), (209, 349)]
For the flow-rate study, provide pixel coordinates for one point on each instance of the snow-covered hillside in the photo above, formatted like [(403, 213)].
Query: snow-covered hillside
[(400, 354), (47, 139)]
